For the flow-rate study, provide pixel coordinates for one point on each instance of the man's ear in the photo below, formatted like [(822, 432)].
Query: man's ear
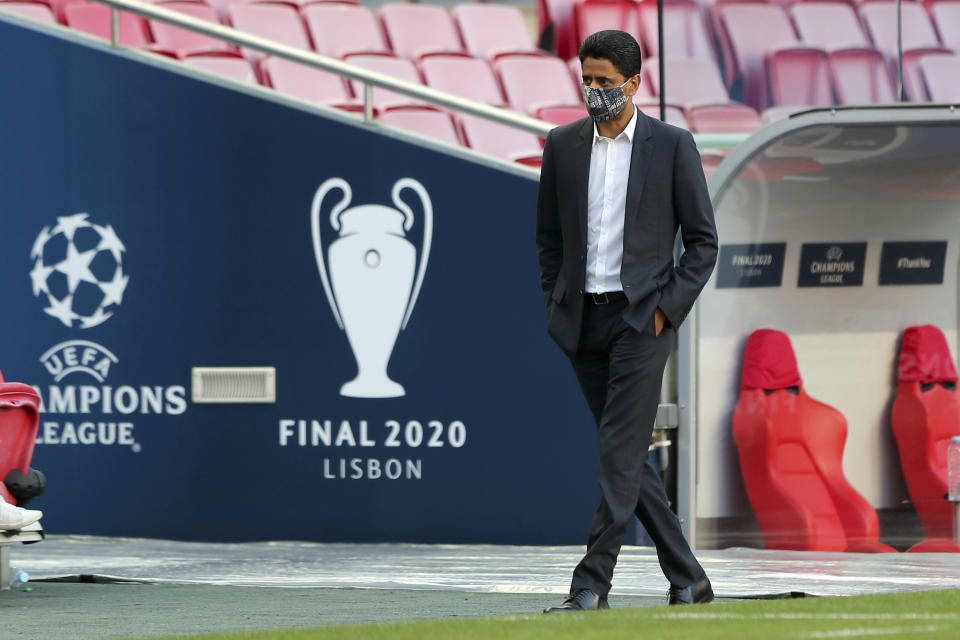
[(633, 85)]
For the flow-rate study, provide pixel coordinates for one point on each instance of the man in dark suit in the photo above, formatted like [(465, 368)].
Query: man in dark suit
[(614, 190)]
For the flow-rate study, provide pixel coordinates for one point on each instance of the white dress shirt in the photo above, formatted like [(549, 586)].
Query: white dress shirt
[(606, 201)]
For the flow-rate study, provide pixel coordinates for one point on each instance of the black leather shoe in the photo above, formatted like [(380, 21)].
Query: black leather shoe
[(698, 593), (580, 600)]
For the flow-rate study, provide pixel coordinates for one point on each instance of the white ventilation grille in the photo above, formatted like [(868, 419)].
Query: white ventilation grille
[(234, 384)]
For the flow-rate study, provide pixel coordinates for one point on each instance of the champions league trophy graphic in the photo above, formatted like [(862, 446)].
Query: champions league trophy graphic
[(368, 277)]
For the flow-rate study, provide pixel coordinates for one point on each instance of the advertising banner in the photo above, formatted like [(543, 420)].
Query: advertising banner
[(154, 223)]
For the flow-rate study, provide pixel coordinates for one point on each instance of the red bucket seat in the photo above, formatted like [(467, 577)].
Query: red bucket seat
[(791, 451), (926, 414), (19, 420)]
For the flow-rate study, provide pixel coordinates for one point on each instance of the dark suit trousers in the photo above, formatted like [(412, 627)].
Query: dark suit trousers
[(620, 372)]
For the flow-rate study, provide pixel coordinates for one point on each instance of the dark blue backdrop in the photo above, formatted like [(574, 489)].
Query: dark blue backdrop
[(209, 189)]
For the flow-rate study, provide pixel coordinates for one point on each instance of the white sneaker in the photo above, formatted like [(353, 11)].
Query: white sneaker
[(12, 517)]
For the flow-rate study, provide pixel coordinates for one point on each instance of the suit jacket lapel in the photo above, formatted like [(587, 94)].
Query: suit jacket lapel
[(639, 163), (582, 168)]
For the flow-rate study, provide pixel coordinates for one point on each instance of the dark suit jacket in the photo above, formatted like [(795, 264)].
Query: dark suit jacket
[(666, 191)]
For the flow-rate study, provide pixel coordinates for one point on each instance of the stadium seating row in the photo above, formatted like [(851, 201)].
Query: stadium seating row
[(843, 53), (520, 78), (410, 35), (810, 54)]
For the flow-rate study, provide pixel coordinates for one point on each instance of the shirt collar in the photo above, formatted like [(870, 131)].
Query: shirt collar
[(628, 131)]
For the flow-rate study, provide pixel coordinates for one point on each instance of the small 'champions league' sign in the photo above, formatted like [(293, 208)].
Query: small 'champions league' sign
[(912, 262), (750, 265), (832, 264)]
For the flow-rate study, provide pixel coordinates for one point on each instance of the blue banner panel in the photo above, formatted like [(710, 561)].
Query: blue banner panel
[(832, 264), (750, 265), (913, 262), (154, 223)]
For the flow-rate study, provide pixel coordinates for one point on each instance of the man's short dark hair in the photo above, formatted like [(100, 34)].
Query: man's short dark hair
[(619, 47)]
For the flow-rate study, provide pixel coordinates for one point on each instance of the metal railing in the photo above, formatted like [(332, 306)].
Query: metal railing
[(370, 79)]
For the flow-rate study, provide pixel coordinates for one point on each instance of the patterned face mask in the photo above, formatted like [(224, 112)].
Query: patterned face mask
[(604, 104)]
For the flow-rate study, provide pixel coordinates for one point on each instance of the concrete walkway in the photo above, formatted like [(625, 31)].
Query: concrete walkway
[(205, 587)]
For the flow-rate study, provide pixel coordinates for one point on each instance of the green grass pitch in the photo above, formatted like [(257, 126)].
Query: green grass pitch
[(931, 615)]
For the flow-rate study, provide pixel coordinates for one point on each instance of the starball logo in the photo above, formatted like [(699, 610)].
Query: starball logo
[(78, 274), (78, 271)]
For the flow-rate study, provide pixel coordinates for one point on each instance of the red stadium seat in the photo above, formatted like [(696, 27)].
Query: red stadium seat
[(500, 140), (749, 33), (696, 86), (918, 36), (95, 19), (490, 31), (232, 66), (925, 415), (341, 29), (683, 24), (308, 83), (531, 83), (711, 159), (222, 5), (557, 24), (828, 25), (941, 77), (880, 19), (277, 22), (946, 17), (299, 4), (562, 115), (471, 78), (674, 114), (861, 76), (859, 73), (799, 77), (935, 545), (58, 7), (427, 122), (576, 72), (791, 452), (181, 42), (690, 81), (399, 68), (416, 30), (596, 15), (34, 11), (19, 421), (722, 118)]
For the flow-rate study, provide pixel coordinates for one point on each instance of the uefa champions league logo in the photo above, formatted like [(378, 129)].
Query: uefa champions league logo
[(371, 276), (78, 271)]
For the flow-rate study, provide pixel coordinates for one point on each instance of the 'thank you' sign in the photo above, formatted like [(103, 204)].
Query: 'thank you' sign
[(912, 262)]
